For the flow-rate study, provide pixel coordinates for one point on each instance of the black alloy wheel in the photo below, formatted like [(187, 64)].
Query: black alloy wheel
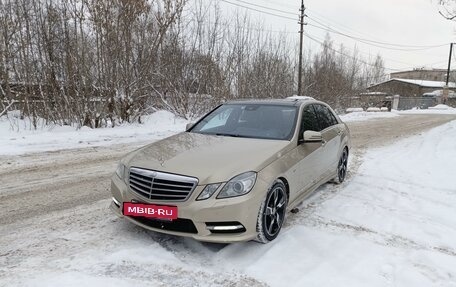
[(272, 214), (342, 166)]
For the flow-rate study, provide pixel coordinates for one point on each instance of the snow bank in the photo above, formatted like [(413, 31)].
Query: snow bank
[(373, 109), (362, 116), (156, 125), (441, 107), (438, 109), (354, 110)]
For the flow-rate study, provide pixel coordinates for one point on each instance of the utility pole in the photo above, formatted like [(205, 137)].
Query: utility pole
[(449, 64), (446, 90), (301, 35)]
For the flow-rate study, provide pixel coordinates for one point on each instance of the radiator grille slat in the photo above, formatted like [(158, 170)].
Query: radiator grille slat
[(160, 185), (139, 184), (136, 177)]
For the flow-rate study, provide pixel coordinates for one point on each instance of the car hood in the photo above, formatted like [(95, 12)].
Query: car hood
[(210, 158)]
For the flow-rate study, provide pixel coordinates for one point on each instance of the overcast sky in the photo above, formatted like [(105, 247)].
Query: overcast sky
[(402, 22)]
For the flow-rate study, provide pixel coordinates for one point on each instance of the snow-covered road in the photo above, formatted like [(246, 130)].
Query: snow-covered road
[(393, 223)]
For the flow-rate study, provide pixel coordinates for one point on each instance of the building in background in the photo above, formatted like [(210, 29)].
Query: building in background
[(418, 88), (409, 87), (438, 75)]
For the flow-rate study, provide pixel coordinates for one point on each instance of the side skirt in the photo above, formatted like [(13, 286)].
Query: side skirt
[(309, 191)]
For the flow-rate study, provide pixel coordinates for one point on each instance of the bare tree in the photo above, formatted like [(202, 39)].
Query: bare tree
[(448, 9), (101, 63)]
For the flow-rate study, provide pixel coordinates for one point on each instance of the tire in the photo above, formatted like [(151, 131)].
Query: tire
[(342, 167), (272, 213)]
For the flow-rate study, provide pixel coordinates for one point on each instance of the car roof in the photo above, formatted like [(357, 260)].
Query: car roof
[(291, 101)]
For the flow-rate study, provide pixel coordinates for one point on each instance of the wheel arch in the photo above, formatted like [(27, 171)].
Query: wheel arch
[(287, 186)]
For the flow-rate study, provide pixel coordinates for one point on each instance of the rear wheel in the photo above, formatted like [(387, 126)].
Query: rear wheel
[(342, 167), (272, 213)]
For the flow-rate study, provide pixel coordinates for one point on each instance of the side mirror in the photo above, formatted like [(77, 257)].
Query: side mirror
[(189, 126), (312, 137)]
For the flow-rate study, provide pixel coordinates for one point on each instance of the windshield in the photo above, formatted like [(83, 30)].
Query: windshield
[(263, 121)]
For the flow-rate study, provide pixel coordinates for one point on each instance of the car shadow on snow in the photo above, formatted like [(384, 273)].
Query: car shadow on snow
[(188, 245), (181, 246)]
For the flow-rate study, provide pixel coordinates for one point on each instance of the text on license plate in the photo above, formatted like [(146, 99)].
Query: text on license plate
[(150, 210)]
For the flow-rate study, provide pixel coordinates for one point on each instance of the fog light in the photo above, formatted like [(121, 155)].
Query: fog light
[(225, 227), (116, 202)]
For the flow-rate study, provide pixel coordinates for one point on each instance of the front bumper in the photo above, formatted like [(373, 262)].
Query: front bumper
[(204, 214)]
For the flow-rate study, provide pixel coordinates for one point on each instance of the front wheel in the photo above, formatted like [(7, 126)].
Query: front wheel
[(272, 213), (342, 167)]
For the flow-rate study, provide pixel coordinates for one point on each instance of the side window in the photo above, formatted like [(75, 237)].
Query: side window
[(309, 121), (325, 116), (333, 117)]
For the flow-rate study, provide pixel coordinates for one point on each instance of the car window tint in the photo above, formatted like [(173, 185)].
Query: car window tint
[(333, 117), (325, 117), (309, 121)]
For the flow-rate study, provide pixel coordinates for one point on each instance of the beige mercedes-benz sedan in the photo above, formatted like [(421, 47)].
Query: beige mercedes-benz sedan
[(233, 175)]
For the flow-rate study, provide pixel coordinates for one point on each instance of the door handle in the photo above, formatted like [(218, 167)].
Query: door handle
[(323, 142)]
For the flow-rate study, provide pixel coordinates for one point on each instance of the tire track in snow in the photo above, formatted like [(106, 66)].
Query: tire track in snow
[(386, 239)]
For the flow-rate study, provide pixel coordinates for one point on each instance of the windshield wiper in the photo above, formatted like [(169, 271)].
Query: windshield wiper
[(231, 135)]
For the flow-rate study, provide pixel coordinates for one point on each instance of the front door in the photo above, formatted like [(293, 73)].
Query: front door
[(309, 168), (330, 132)]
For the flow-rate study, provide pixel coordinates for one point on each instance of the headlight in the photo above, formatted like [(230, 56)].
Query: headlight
[(238, 185), (208, 191), (120, 171)]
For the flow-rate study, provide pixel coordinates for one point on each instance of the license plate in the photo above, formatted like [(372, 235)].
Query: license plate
[(150, 210)]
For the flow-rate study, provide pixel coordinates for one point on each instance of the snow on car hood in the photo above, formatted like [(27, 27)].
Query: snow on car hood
[(210, 158)]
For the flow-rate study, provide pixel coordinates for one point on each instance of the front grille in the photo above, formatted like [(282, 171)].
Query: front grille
[(179, 225), (161, 186)]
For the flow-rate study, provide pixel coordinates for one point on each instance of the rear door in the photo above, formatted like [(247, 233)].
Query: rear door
[(331, 133)]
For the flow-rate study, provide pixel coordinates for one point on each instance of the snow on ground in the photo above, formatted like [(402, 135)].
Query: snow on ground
[(12, 142), (441, 107), (376, 113), (362, 116), (351, 110), (18, 138), (438, 109), (392, 223)]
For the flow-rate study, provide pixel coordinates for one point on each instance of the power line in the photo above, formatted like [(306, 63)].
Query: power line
[(346, 55), (411, 66), (281, 4), (369, 54), (265, 7), (343, 27), (321, 42), (378, 44), (253, 9), (252, 28), (329, 29)]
